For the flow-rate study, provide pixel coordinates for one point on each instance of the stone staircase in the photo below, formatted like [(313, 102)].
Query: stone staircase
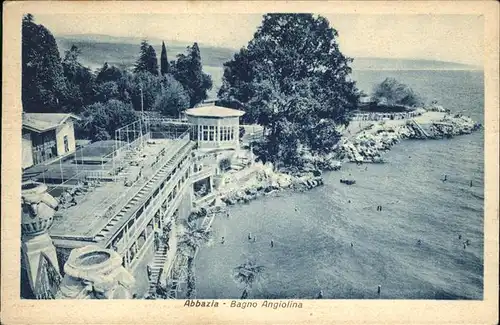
[(158, 263)]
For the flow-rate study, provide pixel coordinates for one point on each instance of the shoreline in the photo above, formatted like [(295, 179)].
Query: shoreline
[(362, 142)]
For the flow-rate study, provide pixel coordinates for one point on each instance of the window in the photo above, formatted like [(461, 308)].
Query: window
[(205, 132), (66, 143), (211, 133)]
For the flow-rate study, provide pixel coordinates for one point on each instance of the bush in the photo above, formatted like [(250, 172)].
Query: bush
[(392, 92), (172, 99), (242, 132), (100, 120), (225, 164)]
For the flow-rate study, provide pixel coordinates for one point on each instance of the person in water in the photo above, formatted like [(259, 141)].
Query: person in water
[(272, 243), (470, 183), (419, 242), (249, 236), (320, 294), (222, 241), (445, 178), (352, 245), (459, 236), (378, 289)]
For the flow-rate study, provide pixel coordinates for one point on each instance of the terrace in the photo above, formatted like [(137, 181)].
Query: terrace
[(93, 205)]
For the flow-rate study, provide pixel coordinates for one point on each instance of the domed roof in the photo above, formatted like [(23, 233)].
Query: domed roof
[(37, 208)]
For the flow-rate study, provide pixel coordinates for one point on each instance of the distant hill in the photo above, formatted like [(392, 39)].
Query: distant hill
[(407, 64), (124, 51)]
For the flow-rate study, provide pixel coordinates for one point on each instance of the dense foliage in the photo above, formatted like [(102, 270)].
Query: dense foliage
[(172, 98), (102, 119), (43, 82), (188, 70), (293, 80), (109, 98), (392, 92), (147, 61)]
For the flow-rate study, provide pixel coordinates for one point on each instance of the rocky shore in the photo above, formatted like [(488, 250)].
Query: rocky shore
[(264, 180), (365, 145), (370, 142)]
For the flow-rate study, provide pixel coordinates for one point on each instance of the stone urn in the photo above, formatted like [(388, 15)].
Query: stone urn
[(96, 273), (37, 209)]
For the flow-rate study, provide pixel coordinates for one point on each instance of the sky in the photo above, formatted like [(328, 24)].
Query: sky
[(453, 38)]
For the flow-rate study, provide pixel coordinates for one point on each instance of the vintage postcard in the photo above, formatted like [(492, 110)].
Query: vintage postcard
[(250, 162)]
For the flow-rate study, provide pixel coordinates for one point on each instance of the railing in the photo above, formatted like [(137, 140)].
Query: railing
[(138, 228), (166, 190), (111, 201), (205, 199), (203, 173)]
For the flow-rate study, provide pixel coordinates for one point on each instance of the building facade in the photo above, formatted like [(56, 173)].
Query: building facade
[(214, 127), (46, 136)]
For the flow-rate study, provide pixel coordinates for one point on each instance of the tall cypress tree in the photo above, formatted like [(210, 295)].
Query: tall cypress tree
[(164, 66), (43, 82)]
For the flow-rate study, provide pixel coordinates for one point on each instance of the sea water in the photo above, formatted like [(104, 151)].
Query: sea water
[(313, 231)]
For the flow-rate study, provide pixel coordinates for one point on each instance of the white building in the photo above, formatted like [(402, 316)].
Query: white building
[(215, 127), (47, 136)]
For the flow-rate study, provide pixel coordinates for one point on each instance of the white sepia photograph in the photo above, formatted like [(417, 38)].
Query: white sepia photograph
[(258, 160)]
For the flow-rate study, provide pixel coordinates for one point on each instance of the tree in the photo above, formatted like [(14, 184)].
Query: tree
[(164, 65), (147, 61), (190, 241), (247, 273), (106, 91), (43, 83), (188, 71), (100, 120), (80, 82), (108, 73), (291, 78), (392, 92), (172, 99), (151, 87)]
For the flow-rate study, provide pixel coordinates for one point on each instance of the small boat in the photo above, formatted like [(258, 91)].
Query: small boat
[(347, 181)]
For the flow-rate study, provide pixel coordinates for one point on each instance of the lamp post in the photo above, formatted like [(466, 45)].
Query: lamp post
[(142, 116)]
